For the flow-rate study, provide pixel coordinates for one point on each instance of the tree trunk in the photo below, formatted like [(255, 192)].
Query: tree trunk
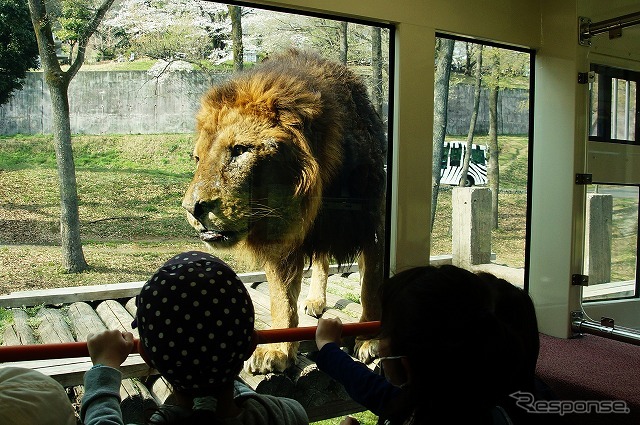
[(474, 117), (58, 81), (493, 171), (73, 259), (376, 69), (235, 13), (344, 45), (444, 54)]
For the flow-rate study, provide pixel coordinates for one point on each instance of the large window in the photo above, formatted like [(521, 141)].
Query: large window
[(611, 231), (134, 135), (482, 102)]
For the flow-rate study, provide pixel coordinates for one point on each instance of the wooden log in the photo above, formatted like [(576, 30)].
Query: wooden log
[(136, 399), (113, 291), (19, 333), (84, 320), (52, 327), (71, 371), (115, 316), (277, 384), (131, 307), (320, 395), (161, 390)]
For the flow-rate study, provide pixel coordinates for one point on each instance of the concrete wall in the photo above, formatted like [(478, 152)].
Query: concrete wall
[(111, 102), (121, 102), (513, 111)]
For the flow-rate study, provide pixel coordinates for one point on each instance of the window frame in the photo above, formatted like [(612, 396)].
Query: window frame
[(605, 75)]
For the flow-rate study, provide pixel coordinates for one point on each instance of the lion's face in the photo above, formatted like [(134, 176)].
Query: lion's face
[(246, 188)]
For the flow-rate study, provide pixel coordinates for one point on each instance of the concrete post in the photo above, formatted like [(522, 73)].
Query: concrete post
[(471, 226), (597, 255)]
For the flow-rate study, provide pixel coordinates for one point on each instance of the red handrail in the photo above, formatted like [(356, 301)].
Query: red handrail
[(14, 353)]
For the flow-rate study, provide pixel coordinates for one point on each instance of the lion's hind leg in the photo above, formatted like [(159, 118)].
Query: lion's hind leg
[(316, 299)]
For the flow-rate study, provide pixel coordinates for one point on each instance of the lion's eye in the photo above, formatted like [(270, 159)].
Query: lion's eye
[(238, 150)]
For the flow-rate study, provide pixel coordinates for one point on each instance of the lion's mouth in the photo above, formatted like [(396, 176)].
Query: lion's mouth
[(215, 236)]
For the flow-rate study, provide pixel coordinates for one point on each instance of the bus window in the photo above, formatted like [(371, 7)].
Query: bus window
[(478, 155), (445, 157), (455, 157)]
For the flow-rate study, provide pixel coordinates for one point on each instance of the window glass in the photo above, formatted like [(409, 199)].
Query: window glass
[(611, 241), (154, 61), (614, 104), (500, 131)]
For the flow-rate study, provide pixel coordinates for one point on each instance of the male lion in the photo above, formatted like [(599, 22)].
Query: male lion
[(290, 165)]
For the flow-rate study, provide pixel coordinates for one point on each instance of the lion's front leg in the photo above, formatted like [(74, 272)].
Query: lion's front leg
[(370, 265), (285, 279), (316, 299)]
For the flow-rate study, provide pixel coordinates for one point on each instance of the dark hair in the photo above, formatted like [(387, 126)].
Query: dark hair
[(513, 306), (461, 355)]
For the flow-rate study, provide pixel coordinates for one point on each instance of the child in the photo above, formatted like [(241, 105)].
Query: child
[(195, 320), (30, 397), (445, 356)]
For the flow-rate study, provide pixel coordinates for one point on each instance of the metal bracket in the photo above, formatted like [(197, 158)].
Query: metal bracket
[(607, 322), (577, 318), (586, 77), (584, 37), (583, 77), (584, 179), (579, 280)]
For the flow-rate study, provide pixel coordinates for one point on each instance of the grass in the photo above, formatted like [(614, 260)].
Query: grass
[(364, 418), (130, 189)]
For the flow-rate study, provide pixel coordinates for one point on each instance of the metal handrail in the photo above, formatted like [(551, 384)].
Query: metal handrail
[(604, 329), (588, 29)]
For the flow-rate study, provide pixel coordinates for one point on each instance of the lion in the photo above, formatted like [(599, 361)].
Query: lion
[(290, 166)]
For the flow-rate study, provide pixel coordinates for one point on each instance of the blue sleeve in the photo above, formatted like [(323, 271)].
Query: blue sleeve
[(364, 386), (101, 400)]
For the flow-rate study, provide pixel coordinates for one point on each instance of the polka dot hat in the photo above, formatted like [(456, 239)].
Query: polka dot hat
[(195, 319)]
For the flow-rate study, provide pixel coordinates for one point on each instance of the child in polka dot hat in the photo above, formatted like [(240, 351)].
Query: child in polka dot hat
[(196, 325)]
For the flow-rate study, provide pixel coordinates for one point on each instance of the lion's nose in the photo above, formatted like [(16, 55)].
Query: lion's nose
[(200, 209)]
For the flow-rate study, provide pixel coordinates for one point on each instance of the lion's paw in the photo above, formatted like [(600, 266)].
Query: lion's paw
[(314, 306), (366, 350), (268, 359)]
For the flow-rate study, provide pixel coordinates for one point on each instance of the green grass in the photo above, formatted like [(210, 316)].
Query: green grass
[(365, 418), (130, 189)]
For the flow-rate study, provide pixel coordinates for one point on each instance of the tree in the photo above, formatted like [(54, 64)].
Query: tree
[(376, 69), (74, 17), (493, 168), (18, 47), (58, 82), (474, 117), (444, 55), (344, 42), (235, 13), (196, 32), (503, 64)]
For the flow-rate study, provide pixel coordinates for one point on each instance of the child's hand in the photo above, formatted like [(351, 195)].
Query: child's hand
[(328, 330), (110, 348)]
